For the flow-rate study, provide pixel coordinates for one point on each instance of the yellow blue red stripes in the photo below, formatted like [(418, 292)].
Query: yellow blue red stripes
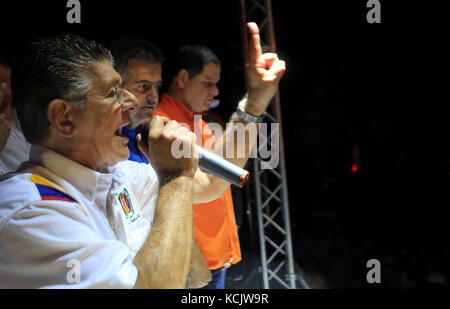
[(49, 190)]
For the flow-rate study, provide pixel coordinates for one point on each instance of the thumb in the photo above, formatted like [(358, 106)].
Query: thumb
[(141, 144)]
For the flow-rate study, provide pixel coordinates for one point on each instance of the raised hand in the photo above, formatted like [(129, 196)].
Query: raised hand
[(264, 74)]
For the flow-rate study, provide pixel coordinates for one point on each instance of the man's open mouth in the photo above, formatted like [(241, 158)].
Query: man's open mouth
[(118, 132)]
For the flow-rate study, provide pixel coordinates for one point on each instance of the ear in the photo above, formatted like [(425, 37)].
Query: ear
[(182, 78), (60, 116)]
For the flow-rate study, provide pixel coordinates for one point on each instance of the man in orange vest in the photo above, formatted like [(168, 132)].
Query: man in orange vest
[(193, 79)]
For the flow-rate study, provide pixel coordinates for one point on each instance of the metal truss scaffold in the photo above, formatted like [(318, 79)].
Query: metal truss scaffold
[(269, 190)]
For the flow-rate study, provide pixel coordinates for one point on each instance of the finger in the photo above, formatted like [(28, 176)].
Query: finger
[(277, 69), (182, 137), (255, 50), (142, 146), (190, 138), (172, 126), (157, 126), (173, 129), (267, 60), (185, 134), (141, 143), (179, 131)]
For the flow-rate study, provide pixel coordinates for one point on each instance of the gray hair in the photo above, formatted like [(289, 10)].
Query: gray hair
[(53, 68)]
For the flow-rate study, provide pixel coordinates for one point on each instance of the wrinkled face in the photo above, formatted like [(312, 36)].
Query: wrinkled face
[(5, 105), (99, 138), (144, 81), (200, 90)]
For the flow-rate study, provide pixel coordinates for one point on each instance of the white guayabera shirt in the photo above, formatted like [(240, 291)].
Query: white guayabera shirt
[(63, 214)]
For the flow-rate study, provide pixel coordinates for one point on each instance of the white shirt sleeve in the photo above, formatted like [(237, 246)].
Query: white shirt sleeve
[(48, 244)]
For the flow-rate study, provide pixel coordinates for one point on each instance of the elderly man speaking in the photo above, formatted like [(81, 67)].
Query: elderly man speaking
[(78, 214)]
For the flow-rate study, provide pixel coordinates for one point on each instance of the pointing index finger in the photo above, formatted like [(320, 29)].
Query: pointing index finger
[(255, 50)]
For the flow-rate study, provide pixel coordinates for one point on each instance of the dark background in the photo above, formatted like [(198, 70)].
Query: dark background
[(349, 87)]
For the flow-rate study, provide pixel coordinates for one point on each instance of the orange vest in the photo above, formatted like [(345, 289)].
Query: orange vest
[(214, 222)]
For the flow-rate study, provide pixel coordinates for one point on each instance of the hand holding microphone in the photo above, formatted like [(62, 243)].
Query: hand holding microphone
[(158, 139), (213, 164)]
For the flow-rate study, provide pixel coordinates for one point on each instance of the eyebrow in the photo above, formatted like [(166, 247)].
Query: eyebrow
[(212, 80), (114, 82), (147, 81)]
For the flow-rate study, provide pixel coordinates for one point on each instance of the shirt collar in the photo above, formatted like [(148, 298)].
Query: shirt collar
[(138, 129), (184, 115), (178, 105), (131, 133), (81, 177)]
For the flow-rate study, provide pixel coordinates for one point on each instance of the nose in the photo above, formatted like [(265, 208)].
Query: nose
[(215, 90), (130, 101), (153, 94)]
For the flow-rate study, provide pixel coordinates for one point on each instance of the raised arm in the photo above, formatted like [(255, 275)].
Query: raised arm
[(264, 74)]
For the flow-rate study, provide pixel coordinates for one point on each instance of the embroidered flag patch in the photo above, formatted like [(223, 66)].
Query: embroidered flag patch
[(50, 191)]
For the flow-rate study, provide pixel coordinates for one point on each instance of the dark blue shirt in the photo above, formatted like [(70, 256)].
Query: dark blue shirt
[(135, 153)]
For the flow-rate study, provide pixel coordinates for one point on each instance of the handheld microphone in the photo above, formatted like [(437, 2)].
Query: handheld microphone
[(213, 164)]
